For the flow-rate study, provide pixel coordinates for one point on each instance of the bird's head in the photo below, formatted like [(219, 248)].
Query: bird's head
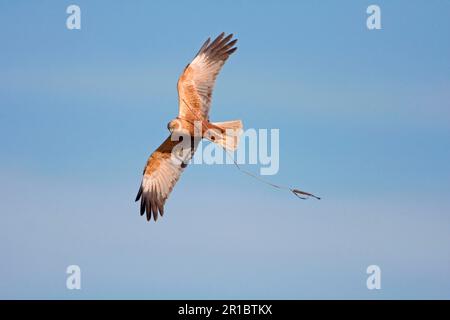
[(174, 125)]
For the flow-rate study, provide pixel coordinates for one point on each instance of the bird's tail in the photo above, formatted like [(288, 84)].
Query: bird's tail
[(225, 134)]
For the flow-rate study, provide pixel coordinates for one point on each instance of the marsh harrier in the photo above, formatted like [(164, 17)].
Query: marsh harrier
[(195, 87)]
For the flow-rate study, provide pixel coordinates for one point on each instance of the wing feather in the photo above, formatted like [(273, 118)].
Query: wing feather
[(196, 84), (161, 174)]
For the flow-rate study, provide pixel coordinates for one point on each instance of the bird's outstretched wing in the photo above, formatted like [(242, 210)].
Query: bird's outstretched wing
[(196, 84), (161, 173)]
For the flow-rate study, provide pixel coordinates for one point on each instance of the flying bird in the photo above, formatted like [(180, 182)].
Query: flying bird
[(195, 87)]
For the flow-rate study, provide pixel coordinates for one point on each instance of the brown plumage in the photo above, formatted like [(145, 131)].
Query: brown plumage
[(195, 87)]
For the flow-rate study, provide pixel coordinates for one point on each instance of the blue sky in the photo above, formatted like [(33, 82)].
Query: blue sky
[(364, 119)]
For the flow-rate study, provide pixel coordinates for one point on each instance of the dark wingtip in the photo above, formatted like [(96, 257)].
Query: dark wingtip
[(148, 208), (150, 205), (138, 196), (142, 207), (231, 50)]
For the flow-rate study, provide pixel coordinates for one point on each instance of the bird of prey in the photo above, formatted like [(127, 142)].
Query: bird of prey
[(195, 87)]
